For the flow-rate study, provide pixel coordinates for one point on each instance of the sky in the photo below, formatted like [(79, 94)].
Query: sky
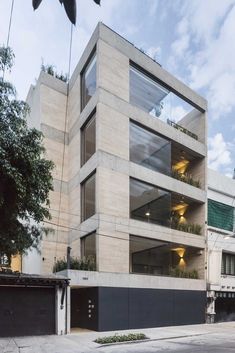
[(193, 39)]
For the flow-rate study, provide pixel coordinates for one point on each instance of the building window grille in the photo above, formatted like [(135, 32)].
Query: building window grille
[(228, 264)]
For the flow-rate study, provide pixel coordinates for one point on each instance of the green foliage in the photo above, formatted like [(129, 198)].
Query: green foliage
[(6, 58), (121, 338), (178, 272), (85, 264), (185, 227), (50, 69), (186, 178), (189, 228), (24, 173)]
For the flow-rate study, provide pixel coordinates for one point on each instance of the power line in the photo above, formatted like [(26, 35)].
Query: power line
[(65, 126)]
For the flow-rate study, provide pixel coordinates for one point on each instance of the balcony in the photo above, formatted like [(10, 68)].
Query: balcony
[(151, 204), (153, 97), (155, 152), (160, 258)]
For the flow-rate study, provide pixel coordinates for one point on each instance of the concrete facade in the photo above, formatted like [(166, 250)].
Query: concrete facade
[(56, 110)]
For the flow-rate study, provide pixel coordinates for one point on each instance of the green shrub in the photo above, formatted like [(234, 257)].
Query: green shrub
[(188, 227), (121, 338), (178, 272), (85, 264), (186, 178)]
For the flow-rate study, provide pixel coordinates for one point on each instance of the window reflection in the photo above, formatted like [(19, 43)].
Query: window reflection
[(89, 81), (149, 95), (89, 247), (149, 203), (150, 150), (88, 198), (88, 140)]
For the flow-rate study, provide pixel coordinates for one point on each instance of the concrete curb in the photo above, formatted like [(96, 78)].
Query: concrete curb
[(149, 340)]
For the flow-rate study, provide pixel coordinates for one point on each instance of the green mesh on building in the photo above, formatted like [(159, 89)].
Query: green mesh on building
[(220, 215)]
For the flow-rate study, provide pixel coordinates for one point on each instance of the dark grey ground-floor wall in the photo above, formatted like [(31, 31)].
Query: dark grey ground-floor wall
[(108, 308)]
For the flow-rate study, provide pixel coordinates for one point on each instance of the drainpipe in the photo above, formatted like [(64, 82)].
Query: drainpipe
[(68, 257)]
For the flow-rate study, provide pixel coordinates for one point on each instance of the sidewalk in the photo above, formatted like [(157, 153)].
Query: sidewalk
[(83, 341), (159, 333)]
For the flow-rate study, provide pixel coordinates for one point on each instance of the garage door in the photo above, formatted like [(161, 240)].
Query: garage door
[(27, 311)]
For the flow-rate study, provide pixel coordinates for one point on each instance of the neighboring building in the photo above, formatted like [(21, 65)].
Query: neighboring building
[(32, 305), (221, 248), (129, 187)]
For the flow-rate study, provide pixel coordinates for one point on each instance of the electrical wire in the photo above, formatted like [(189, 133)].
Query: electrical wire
[(64, 142)]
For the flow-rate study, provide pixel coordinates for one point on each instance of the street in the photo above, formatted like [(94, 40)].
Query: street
[(217, 338)]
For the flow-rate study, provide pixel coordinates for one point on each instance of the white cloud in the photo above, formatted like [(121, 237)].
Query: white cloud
[(153, 5), (154, 53), (208, 47), (218, 154)]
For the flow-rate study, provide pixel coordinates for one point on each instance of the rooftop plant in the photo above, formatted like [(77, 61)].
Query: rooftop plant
[(50, 69)]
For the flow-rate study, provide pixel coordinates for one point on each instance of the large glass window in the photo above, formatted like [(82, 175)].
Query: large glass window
[(149, 150), (88, 140), (149, 203), (88, 198), (89, 247), (88, 81), (152, 97), (157, 257), (228, 264)]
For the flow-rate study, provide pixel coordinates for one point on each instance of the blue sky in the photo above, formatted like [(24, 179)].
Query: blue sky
[(192, 39)]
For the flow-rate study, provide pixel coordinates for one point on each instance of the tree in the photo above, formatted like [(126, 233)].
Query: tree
[(69, 5), (25, 175)]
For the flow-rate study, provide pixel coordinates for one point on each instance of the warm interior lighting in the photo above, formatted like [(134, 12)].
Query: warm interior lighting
[(180, 251), (181, 166), (182, 219), (180, 208)]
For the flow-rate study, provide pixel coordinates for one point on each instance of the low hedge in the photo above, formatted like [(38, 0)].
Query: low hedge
[(121, 338)]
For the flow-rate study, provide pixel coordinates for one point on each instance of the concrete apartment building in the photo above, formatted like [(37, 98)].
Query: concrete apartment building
[(221, 248), (129, 187)]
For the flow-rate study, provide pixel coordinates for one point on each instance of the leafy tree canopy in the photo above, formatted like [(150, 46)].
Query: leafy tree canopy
[(25, 175), (69, 5)]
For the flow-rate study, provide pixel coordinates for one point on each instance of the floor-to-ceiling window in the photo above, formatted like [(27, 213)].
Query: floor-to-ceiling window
[(149, 203), (88, 81), (149, 149), (88, 197), (88, 139)]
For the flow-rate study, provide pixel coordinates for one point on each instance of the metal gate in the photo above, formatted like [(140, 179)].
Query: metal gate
[(27, 311)]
